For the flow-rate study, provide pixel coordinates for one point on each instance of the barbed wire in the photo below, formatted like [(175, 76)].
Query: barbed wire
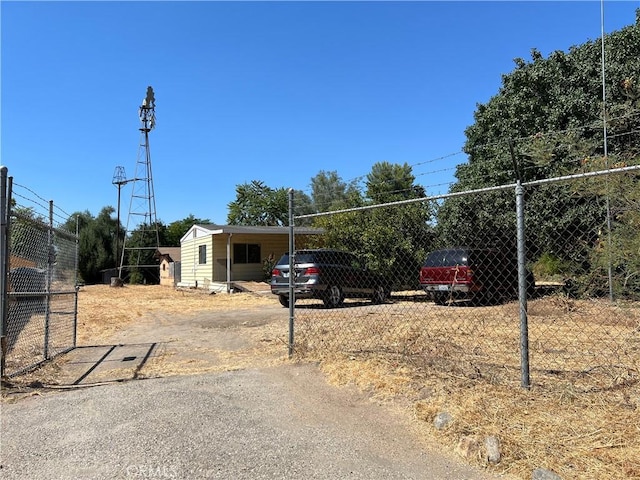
[(595, 124), (491, 163), (503, 143), (616, 135), (60, 216)]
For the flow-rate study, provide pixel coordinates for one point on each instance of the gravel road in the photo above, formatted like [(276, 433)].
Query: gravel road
[(260, 420), (280, 422)]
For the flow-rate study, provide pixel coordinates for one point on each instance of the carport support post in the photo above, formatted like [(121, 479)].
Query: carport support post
[(522, 289), (292, 298)]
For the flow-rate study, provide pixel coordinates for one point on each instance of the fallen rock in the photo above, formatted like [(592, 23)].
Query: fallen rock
[(442, 420), (492, 450), (543, 474)]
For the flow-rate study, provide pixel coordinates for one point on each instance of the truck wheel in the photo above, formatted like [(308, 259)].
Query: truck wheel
[(441, 298)]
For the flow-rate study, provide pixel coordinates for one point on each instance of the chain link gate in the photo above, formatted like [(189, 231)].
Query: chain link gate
[(487, 317), (39, 294)]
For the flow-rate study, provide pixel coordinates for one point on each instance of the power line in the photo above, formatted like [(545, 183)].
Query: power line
[(42, 203), (503, 143)]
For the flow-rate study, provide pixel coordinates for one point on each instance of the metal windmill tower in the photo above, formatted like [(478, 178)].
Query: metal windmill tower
[(142, 238)]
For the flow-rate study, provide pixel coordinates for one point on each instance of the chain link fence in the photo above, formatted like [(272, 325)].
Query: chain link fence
[(546, 289), (39, 294)]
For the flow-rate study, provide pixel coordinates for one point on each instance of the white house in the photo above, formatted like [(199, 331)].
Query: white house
[(214, 256)]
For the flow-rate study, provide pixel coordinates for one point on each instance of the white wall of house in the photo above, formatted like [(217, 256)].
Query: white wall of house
[(221, 265), (195, 273)]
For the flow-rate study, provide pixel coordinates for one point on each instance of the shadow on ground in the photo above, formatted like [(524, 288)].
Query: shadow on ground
[(93, 364)]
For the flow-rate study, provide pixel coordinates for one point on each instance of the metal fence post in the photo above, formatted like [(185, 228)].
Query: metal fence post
[(4, 253), (75, 284), (50, 260), (522, 288), (292, 298)]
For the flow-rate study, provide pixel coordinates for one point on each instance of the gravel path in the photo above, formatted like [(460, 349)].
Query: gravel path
[(280, 422), (258, 420)]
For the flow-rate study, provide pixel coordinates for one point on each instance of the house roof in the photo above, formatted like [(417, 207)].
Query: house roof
[(214, 229), (173, 253), (217, 229)]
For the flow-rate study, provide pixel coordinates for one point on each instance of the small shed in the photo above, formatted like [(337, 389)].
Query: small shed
[(169, 265), (214, 256)]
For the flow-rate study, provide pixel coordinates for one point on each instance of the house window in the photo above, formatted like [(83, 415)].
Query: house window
[(202, 254), (246, 253)]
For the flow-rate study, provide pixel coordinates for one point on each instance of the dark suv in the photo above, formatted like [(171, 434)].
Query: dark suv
[(485, 275), (329, 275)]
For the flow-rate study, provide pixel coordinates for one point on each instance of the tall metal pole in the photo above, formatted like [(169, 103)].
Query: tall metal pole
[(119, 179), (4, 266), (50, 261), (292, 275), (522, 272), (116, 257), (77, 287), (522, 289), (606, 153)]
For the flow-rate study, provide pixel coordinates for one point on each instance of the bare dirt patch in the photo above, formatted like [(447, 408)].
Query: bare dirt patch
[(150, 331), (580, 419), (103, 311), (562, 425)]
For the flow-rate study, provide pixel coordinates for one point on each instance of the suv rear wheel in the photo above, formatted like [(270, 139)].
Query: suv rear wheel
[(284, 300), (333, 296)]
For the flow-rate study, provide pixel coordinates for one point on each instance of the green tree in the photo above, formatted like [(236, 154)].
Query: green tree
[(96, 242), (551, 109), (392, 182), (176, 230), (257, 204), (617, 248), (141, 250), (392, 240), (330, 192), (302, 205)]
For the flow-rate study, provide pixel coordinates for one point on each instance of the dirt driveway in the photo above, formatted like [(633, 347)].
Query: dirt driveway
[(166, 344), (208, 395)]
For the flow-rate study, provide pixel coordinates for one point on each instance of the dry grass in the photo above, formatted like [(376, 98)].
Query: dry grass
[(103, 310), (580, 419), (134, 314)]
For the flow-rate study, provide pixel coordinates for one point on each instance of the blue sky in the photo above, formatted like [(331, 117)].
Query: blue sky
[(270, 91)]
